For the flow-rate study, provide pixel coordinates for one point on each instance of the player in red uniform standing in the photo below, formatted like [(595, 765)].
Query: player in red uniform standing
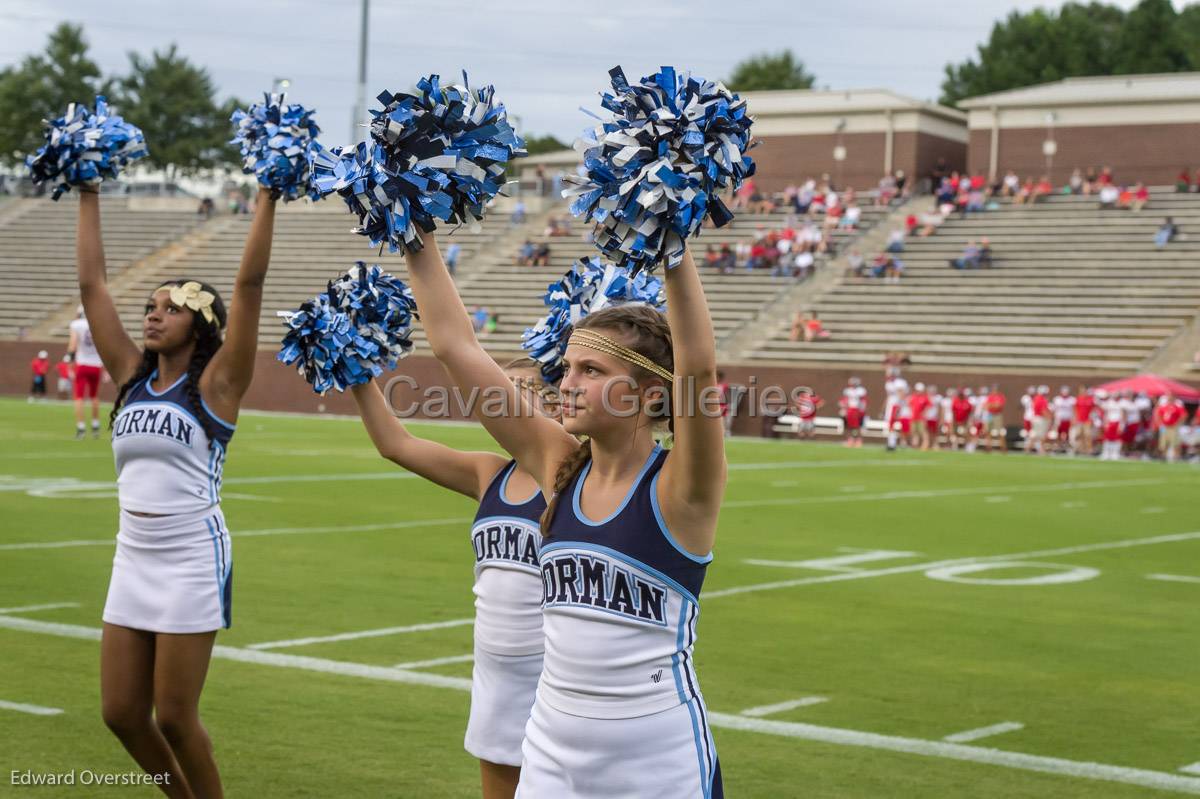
[(917, 405), (1114, 418), (1039, 411), (960, 410), (997, 431), (853, 406), (1082, 438)]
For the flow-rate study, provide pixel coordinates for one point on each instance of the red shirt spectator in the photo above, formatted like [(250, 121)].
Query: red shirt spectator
[(1040, 405), (1142, 193), (918, 403), (977, 182), (64, 369), (995, 402), (1084, 405), (1170, 414), (40, 366), (961, 408), (910, 223)]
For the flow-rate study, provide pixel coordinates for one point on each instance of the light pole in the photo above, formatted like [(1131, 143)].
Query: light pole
[(1050, 146), (360, 100), (839, 154)]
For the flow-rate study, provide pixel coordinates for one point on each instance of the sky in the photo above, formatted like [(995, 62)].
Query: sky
[(545, 57)]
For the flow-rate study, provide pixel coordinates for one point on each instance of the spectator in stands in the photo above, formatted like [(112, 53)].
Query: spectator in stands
[(985, 253), (1011, 184), (813, 329), (1108, 194), (526, 254), (887, 190), (727, 260), (855, 264), (1106, 177), (1183, 183), (489, 326), (895, 242), (451, 257), (1166, 232), (541, 256), (479, 318), (1025, 193), (850, 218), (937, 174), (969, 259), (711, 256), (929, 222), (1090, 181), (1141, 196), (1075, 184), (1042, 188), (744, 194), (518, 213), (902, 188), (1125, 198), (206, 208)]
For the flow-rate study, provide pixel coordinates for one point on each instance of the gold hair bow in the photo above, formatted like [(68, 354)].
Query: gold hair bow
[(192, 295)]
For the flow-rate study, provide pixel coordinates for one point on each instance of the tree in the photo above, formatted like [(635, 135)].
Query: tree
[(536, 145), (1078, 40), (768, 71), (41, 87), (174, 104)]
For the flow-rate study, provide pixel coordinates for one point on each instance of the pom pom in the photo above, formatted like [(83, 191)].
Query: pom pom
[(654, 169), (83, 147), (439, 154), (587, 286), (277, 143), (346, 335)]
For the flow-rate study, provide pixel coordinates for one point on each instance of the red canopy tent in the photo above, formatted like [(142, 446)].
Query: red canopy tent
[(1153, 386)]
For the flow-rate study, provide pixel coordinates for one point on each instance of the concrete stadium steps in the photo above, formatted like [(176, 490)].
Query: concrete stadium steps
[(1072, 288), (37, 252)]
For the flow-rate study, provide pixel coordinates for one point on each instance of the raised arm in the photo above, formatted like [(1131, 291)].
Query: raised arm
[(468, 473), (539, 444), (228, 375), (693, 478), (118, 352)]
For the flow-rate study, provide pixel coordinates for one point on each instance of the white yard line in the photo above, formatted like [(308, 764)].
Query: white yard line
[(1194, 768), (951, 751), (424, 664), (344, 528), (34, 710), (834, 735), (916, 567), (353, 636), (1173, 578), (49, 606), (984, 732), (767, 710), (942, 492)]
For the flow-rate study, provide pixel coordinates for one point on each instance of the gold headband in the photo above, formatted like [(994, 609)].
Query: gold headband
[(602, 343), (192, 295)]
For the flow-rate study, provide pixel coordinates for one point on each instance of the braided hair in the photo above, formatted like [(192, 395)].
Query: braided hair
[(208, 339), (644, 330)]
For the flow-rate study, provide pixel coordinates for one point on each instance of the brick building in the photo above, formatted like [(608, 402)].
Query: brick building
[(1144, 126)]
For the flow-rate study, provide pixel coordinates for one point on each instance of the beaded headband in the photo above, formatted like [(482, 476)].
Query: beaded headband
[(602, 343)]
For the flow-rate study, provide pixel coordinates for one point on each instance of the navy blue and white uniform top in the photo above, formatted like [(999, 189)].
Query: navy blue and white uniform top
[(508, 587), (619, 606), (164, 463)]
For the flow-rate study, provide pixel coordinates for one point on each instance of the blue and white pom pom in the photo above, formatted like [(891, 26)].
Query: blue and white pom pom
[(653, 171), (587, 286), (437, 155), (84, 146), (278, 141), (348, 334)]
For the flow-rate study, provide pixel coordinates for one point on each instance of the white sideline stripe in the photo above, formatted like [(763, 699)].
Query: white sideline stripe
[(766, 710), (752, 467), (944, 492), (951, 751), (424, 664), (1173, 578), (322, 639), (1154, 509), (995, 500), (840, 563), (50, 606), (1194, 768), (984, 732), (263, 658), (913, 567), (833, 735), (350, 528), (35, 710)]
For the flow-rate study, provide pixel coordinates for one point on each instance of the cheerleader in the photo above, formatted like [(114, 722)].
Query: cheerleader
[(508, 584), (172, 578), (627, 536)]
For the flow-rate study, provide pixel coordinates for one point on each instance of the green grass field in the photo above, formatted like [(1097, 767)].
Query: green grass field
[(1067, 636)]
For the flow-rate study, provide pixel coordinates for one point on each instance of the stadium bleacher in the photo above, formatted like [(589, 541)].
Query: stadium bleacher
[(1073, 288)]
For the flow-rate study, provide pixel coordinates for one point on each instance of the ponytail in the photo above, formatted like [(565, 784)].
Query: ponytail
[(568, 470)]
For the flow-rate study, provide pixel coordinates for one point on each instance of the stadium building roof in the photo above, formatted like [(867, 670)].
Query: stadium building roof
[(1098, 90)]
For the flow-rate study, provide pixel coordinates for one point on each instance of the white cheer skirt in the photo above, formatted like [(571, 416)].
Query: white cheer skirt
[(172, 574), (503, 688)]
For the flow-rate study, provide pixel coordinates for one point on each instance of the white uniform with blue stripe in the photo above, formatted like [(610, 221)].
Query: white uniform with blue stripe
[(619, 710), (172, 572)]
